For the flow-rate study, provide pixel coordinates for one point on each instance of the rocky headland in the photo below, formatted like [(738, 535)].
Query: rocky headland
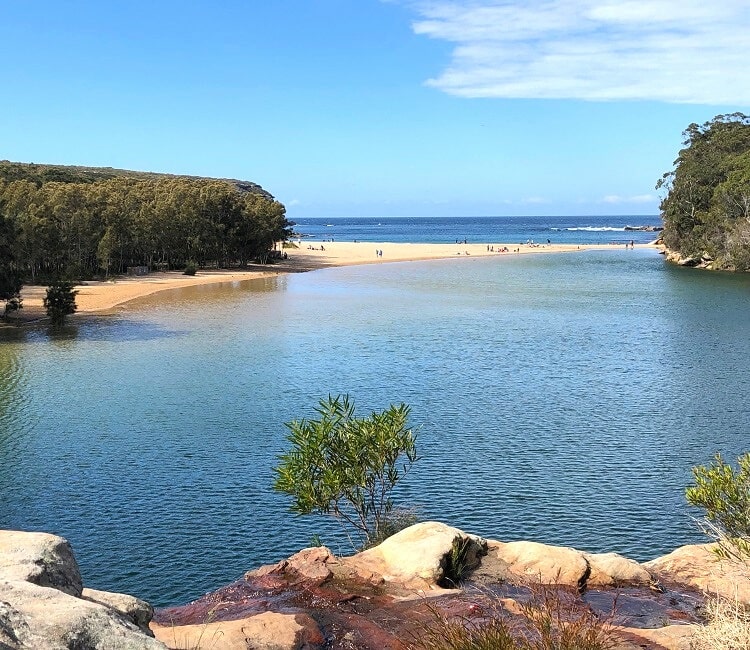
[(387, 597)]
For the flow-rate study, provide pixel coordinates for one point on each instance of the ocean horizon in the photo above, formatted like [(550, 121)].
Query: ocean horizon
[(602, 229)]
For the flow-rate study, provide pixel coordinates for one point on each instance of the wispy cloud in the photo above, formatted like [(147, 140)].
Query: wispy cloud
[(639, 198), (684, 51)]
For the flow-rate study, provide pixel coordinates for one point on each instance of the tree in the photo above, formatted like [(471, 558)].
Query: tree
[(725, 496), (10, 276), (708, 192), (60, 301), (347, 466)]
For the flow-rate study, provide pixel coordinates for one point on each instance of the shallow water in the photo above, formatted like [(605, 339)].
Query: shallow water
[(561, 398)]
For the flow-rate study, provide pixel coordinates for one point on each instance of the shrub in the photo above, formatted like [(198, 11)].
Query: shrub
[(59, 302), (457, 563), (725, 496), (190, 269), (347, 466)]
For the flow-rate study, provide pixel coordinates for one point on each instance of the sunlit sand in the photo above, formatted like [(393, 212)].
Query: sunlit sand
[(104, 296)]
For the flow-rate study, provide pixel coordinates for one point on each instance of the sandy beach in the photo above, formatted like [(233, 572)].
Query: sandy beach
[(104, 296)]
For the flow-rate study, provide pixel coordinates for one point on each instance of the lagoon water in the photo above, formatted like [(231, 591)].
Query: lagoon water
[(561, 398)]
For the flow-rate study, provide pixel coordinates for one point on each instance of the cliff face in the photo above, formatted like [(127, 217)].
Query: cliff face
[(40, 173)]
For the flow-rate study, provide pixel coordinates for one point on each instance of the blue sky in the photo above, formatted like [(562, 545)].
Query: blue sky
[(378, 107)]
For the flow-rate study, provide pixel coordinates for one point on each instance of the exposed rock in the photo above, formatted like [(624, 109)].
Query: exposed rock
[(614, 570), (669, 637), (266, 631), (134, 609), (41, 604), (310, 564), (541, 563), (697, 566), (42, 617), (40, 558), (418, 557)]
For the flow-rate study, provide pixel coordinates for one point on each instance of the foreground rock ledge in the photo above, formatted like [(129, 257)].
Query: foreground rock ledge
[(379, 599), (43, 604), (383, 598)]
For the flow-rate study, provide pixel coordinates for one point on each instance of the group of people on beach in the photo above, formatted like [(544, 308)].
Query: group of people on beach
[(378, 253)]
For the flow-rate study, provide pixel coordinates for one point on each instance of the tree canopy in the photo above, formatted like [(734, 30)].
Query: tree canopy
[(80, 224), (707, 205)]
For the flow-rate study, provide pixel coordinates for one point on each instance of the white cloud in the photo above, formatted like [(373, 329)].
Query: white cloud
[(639, 198), (684, 51)]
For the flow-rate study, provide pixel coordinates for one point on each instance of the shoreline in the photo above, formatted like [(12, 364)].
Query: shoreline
[(98, 297)]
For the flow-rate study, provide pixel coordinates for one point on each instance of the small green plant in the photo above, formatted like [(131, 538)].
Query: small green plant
[(190, 269), (457, 563), (724, 494), (346, 466), (60, 302)]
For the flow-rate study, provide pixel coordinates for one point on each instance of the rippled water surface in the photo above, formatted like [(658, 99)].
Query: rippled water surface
[(562, 398)]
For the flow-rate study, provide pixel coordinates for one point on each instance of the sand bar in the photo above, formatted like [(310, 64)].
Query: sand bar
[(97, 297)]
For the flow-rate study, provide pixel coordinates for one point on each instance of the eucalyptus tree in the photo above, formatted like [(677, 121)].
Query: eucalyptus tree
[(10, 275), (708, 192)]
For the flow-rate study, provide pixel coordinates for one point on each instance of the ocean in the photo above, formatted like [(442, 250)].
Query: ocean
[(446, 230), (561, 398)]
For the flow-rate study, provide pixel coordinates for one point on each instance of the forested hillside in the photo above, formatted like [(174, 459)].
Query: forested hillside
[(706, 210), (79, 222)]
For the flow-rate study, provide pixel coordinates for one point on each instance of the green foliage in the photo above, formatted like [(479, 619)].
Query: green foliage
[(550, 620), (457, 563), (89, 219), (60, 301), (10, 275), (707, 206), (190, 269), (724, 493), (347, 466)]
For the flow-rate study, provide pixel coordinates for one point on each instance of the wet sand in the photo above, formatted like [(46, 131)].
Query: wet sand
[(97, 297)]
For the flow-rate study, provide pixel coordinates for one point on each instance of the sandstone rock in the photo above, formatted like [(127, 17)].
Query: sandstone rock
[(613, 570), (37, 617), (309, 563), (560, 565), (669, 637), (418, 556), (133, 609), (697, 566), (40, 558), (266, 631), (554, 565)]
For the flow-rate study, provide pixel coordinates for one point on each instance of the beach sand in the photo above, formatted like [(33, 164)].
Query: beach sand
[(98, 297)]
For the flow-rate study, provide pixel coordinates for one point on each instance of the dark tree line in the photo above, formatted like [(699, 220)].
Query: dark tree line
[(81, 227), (707, 206)]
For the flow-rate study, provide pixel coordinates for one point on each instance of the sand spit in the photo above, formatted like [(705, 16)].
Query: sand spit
[(98, 297)]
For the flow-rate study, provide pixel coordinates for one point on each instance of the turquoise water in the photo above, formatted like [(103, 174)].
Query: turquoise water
[(561, 398)]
